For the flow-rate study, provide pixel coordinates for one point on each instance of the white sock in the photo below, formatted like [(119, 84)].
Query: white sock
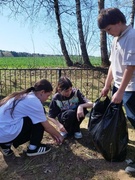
[(32, 147)]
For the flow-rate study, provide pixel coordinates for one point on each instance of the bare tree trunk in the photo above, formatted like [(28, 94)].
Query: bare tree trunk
[(104, 51), (103, 41), (60, 34), (133, 13), (81, 36)]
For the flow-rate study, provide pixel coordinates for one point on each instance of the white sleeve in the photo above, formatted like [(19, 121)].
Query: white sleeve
[(129, 54)]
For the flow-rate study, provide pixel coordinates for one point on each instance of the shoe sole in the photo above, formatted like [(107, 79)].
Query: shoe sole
[(36, 154), (77, 137)]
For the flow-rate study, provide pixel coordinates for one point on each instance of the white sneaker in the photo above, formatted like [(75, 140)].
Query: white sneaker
[(64, 134), (78, 135)]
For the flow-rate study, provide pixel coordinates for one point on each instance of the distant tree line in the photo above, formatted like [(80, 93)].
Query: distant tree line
[(19, 54)]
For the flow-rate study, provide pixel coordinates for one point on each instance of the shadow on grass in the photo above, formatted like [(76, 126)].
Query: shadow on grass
[(59, 164)]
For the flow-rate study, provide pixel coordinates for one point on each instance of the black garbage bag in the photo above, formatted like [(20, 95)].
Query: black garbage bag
[(108, 130), (97, 113)]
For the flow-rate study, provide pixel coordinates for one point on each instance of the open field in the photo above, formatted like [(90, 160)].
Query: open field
[(36, 62)]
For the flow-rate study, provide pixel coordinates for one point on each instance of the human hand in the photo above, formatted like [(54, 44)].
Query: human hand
[(62, 128), (80, 112), (104, 91), (117, 97), (59, 139)]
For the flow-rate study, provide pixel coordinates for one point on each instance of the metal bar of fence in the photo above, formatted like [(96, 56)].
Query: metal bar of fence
[(89, 81)]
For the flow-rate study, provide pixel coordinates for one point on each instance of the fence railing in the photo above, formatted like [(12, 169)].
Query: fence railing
[(89, 81)]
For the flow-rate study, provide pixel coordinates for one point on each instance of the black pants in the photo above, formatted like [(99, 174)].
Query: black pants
[(69, 120), (30, 132)]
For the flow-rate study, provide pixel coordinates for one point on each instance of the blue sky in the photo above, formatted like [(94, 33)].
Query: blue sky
[(15, 36), (20, 36)]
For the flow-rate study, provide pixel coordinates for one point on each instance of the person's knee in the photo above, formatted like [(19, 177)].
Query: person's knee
[(68, 115)]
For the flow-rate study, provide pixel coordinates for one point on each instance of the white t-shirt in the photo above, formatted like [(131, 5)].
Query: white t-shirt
[(30, 107), (123, 54)]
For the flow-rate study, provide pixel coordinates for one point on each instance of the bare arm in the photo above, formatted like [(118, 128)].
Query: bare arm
[(58, 124), (86, 105), (108, 82), (80, 109), (52, 131)]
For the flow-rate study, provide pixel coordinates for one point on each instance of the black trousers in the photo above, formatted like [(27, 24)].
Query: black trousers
[(69, 119), (30, 132)]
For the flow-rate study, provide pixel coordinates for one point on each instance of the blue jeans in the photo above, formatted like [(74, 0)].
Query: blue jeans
[(129, 105)]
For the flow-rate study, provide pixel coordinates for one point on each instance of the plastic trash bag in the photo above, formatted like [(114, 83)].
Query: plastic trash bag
[(97, 112), (108, 130)]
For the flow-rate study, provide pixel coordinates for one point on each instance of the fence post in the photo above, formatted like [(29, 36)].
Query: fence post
[(59, 72)]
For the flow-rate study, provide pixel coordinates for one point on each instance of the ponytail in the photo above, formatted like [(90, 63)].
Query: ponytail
[(18, 96)]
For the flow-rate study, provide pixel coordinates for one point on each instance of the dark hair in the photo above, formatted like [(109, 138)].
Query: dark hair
[(110, 16), (63, 84), (42, 84)]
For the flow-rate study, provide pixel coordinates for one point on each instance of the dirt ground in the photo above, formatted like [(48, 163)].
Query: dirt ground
[(74, 160)]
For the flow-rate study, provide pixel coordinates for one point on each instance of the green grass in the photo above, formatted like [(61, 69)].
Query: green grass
[(42, 62)]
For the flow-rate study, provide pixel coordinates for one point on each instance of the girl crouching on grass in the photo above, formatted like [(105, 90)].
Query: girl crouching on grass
[(22, 119), (69, 106)]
